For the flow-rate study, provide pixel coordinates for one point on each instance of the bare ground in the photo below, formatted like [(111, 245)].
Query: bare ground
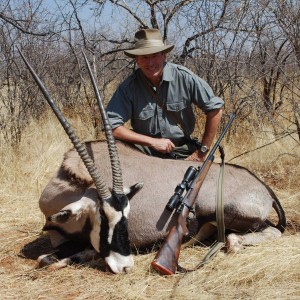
[(267, 271)]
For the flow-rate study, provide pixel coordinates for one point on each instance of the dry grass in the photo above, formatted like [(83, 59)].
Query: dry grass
[(268, 271)]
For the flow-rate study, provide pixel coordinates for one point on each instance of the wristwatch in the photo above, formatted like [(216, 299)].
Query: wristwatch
[(203, 149)]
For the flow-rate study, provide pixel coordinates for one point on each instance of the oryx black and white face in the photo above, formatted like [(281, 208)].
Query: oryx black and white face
[(113, 238)]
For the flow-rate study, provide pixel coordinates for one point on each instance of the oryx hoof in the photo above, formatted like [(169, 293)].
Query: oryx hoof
[(233, 243)]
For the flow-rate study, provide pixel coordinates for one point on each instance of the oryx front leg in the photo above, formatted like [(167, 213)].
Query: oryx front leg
[(53, 263)]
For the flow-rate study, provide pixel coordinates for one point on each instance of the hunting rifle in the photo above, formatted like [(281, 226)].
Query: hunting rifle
[(166, 259)]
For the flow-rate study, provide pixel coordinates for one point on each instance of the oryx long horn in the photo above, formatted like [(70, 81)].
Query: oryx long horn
[(99, 182), (113, 152)]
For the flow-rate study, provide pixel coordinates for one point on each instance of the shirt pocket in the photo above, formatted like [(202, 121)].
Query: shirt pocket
[(146, 113), (181, 116), (145, 121), (176, 106)]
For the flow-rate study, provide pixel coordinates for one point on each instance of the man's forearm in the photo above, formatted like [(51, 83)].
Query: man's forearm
[(159, 144), (213, 119), (124, 134)]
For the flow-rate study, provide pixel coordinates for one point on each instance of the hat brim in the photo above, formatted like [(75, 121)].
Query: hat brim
[(147, 51)]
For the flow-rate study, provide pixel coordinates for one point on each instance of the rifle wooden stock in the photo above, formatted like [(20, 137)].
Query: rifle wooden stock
[(166, 259)]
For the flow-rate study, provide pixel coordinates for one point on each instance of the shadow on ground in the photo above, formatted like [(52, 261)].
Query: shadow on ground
[(42, 245)]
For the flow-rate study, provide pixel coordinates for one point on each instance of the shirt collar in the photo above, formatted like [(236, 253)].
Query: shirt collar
[(167, 74)]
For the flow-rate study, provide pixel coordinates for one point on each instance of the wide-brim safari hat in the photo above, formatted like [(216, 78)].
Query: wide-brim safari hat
[(148, 41)]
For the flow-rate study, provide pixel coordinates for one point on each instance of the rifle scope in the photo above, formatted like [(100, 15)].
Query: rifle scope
[(184, 185)]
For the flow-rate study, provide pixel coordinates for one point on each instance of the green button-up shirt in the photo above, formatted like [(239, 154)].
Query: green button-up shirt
[(178, 90)]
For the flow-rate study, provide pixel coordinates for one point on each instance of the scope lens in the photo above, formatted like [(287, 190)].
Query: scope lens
[(172, 202)]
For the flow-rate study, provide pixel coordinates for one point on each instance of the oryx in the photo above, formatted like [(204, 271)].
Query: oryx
[(74, 214)]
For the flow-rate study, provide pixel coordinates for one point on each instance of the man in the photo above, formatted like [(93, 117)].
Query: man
[(157, 98)]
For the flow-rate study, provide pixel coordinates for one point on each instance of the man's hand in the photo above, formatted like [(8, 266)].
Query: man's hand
[(197, 156), (162, 145)]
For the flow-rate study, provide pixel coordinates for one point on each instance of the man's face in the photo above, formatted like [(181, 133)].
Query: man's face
[(152, 66)]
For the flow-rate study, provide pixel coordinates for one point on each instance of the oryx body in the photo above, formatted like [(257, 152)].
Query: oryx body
[(247, 200)]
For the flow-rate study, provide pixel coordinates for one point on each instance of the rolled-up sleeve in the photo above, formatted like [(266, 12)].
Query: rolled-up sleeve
[(119, 108), (204, 97)]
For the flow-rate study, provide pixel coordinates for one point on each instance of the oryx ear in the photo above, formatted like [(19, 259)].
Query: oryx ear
[(132, 190)]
